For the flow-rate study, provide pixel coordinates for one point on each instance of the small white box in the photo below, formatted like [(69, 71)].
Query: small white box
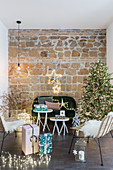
[(62, 112)]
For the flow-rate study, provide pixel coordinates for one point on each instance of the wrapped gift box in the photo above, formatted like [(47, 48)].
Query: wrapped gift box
[(45, 143), (40, 107), (30, 139)]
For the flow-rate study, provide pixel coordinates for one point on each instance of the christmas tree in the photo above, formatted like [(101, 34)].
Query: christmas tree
[(97, 99)]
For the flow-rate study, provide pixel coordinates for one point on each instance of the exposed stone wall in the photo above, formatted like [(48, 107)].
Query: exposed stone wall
[(70, 52)]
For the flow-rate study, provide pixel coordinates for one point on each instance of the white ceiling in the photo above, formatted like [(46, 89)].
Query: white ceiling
[(41, 14)]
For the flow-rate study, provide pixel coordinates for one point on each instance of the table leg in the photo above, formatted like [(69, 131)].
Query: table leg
[(45, 124), (61, 128), (38, 119), (54, 129), (64, 127), (57, 128), (55, 125)]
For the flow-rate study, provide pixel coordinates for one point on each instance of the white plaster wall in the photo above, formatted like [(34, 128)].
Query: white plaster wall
[(109, 48), (3, 58)]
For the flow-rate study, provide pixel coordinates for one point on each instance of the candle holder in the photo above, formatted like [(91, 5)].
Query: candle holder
[(79, 150)]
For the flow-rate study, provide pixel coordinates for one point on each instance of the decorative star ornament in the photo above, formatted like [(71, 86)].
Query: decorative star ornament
[(63, 104), (56, 88), (53, 77), (74, 152)]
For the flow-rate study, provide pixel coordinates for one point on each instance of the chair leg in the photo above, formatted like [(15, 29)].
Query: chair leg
[(100, 151), (88, 139), (15, 133), (111, 134), (2, 143), (72, 141)]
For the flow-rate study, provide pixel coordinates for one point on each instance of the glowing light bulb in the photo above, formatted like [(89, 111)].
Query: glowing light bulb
[(18, 66)]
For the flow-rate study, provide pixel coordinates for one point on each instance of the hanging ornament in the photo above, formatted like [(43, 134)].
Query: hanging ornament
[(56, 88), (53, 77)]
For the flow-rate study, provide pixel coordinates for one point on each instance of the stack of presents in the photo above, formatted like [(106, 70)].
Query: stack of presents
[(33, 142)]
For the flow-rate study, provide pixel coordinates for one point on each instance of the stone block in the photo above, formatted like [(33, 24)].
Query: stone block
[(85, 55), (74, 79), (66, 65), (44, 54), (36, 72), (63, 37), (75, 65), (80, 79), (93, 53), (75, 53), (52, 55), (43, 87), (89, 45), (80, 87), (73, 44), (43, 38), (68, 87), (34, 80), (13, 43), (59, 43), (42, 79), (63, 87), (35, 88), (67, 53), (60, 55), (58, 49), (83, 72), (30, 44), (12, 52), (34, 53), (68, 79), (85, 50), (71, 72), (101, 54), (87, 64), (74, 88)]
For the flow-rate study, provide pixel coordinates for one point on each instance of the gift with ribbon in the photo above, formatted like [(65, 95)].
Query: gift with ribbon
[(45, 143), (30, 137)]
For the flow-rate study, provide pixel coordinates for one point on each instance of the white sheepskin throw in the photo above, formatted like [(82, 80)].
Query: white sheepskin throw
[(11, 126), (91, 128), (110, 114)]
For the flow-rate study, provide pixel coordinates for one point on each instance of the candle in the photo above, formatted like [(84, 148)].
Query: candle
[(81, 155)]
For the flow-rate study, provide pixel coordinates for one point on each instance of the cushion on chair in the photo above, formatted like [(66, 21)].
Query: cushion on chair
[(91, 128), (11, 126), (110, 114)]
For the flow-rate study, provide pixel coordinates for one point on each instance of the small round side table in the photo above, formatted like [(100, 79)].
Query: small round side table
[(63, 120)]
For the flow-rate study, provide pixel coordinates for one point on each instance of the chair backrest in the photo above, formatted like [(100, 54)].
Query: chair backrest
[(106, 126), (3, 124)]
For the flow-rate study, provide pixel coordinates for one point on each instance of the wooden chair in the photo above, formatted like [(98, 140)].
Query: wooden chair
[(105, 127), (9, 127)]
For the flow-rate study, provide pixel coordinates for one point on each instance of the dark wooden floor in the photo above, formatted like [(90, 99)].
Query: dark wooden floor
[(61, 160)]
